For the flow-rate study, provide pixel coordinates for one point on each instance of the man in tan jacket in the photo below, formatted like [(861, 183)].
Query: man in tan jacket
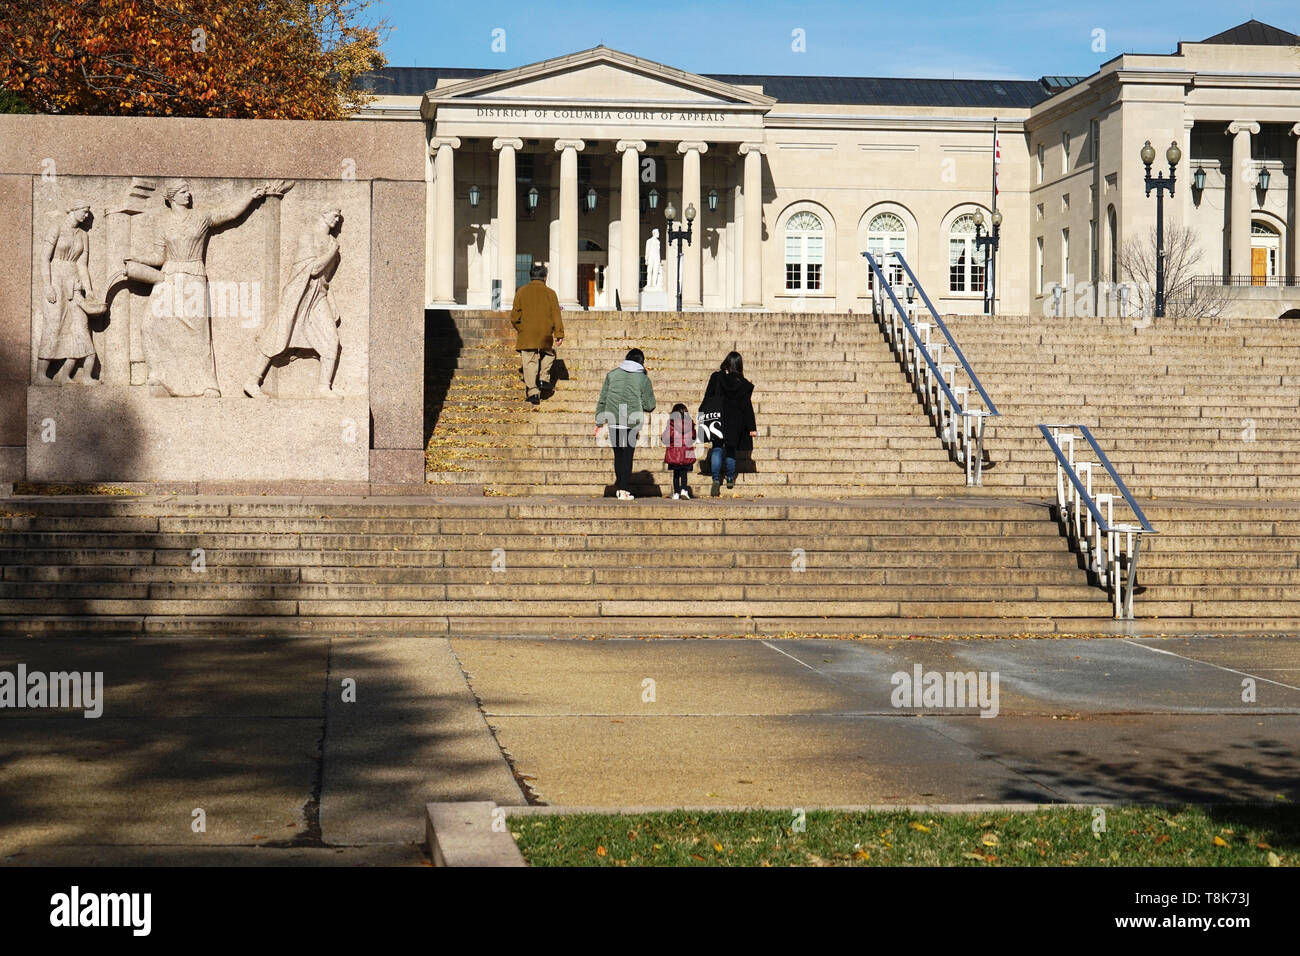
[(539, 328)]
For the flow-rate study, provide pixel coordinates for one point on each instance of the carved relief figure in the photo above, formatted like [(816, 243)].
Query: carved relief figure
[(65, 306), (654, 267), (177, 334), (307, 318)]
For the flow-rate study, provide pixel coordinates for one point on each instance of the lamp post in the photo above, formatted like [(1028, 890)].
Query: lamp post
[(1160, 184), (677, 235), (989, 244)]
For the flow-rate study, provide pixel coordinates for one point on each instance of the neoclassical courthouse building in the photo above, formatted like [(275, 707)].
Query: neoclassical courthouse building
[(573, 162)]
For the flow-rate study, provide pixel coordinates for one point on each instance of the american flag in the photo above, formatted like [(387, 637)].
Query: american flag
[(997, 161)]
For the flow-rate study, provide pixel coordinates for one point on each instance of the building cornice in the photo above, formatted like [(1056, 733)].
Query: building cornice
[(868, 122)]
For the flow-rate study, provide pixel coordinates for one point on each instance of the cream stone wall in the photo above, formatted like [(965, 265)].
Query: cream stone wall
[(1134, 98), (847, 162)]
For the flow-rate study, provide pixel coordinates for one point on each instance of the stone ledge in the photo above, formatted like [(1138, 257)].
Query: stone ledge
[(113, 433), (461, 834)]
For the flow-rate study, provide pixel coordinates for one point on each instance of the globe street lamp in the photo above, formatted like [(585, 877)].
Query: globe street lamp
[(1160, 184), (989, 244), (677, 235)]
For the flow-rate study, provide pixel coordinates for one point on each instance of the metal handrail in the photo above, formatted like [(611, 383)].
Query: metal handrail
[(958, 439), (970, 372), (1123, 542)]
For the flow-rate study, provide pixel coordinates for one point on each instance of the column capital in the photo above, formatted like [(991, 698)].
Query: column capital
[(1243, 126), (504, 141), (562, 144), (637, 145), (747, 148), (438, 142), (699, 147), (1295, 130)]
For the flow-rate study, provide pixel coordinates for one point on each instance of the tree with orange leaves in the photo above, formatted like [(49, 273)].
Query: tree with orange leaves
[(271, 59)]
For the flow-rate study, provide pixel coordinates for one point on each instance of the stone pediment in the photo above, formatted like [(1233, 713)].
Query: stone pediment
[(596, 76)]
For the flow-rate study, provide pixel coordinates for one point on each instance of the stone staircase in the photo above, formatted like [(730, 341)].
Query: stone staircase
[(1185, 408), (836, 418), (422, 565), (851, 520)]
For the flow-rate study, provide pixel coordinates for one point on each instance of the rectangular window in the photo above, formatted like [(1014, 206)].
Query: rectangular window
[(1092, 251), (1040, 265), (977, 272), (1065, 258), (1094, 141), (523, 265), (793, 265), (1040, 162), (814, 259), (957, 265), (1065, 152)]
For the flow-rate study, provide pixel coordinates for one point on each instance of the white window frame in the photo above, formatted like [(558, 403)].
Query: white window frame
[(1040, 265), (811, 243), (974, 266), (880, 243)]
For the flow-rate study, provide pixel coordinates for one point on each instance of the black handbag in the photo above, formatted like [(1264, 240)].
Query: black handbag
[(709, 426)]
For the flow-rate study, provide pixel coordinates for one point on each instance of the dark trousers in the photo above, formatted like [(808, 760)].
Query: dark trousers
[(623, 441), (681, 477), (716, 458)]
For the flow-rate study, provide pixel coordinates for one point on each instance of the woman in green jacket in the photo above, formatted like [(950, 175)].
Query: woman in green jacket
[(624, 398)]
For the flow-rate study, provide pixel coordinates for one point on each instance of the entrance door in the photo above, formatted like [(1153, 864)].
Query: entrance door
[(586, 284), (1258, 266), (1265, 247)]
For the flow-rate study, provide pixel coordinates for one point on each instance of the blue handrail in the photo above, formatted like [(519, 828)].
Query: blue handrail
[(916, 337), (1105, 463), (934, 314)]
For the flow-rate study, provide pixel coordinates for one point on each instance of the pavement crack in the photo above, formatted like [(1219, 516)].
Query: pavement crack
[(530, 795)]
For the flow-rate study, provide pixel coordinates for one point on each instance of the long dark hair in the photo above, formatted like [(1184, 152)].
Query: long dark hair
[(733, 364)]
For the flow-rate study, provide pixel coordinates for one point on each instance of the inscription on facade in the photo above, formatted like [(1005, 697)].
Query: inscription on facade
[(560, 113)]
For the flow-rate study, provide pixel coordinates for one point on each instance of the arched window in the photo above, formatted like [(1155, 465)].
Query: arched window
[(805, 252), (965, 260), (885, 234)]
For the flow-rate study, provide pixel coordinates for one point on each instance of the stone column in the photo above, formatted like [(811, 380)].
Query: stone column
[(1295, 211), (629, 267), (507, 216), (692, 258), (608, 278), (752, 297), (1239, 197), (444, 225), (568, 248)]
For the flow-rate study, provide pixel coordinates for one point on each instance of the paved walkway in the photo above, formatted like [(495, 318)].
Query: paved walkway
[(255, 732), (810, 722)]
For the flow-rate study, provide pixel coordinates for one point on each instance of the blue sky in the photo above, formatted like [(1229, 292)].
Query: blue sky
[(934, 38)]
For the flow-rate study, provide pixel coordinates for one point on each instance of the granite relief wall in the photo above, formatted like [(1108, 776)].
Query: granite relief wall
[(209, 300)]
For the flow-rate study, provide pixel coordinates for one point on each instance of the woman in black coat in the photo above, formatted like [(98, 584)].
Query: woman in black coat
[(738, 427)]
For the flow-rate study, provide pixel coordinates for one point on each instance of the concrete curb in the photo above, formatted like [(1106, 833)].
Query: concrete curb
[(550, 811), (463, 834)]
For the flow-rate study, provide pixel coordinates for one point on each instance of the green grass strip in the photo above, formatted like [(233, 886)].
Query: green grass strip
[(1244, 835)]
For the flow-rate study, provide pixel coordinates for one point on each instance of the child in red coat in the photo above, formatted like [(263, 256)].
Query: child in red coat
[(679, 449)]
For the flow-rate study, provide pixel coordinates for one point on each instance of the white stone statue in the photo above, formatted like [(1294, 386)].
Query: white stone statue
[(65, 339), (307, 318), (654, 266)]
